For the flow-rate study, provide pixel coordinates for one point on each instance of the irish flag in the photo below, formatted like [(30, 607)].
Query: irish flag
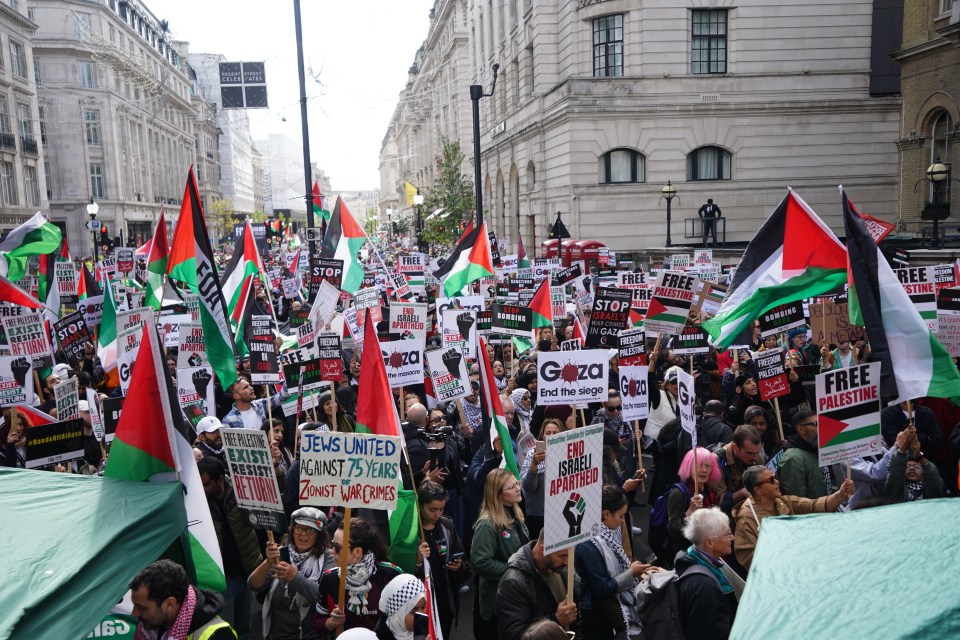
[(191, 261), (793, 256), (157, 258), (914, 363), (35, 237), (376, 410), (469, 261), (541, 307), (493, 411), (342, 241), (151, 444)]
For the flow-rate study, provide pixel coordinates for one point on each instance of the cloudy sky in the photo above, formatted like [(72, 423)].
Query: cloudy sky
[(359, 52)]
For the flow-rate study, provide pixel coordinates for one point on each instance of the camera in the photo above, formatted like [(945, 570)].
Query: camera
[(440, 434)]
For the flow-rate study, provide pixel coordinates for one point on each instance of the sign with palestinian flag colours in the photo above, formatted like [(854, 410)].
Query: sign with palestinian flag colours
[(848, 413), (670, 304), (920, 285)]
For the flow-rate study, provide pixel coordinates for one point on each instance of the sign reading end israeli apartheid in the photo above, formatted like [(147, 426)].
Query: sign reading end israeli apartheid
[(254, 479), (572, 377), (670, 303), (772, 380), (349, 470), (574, 487), (848, 408), (634, 393)]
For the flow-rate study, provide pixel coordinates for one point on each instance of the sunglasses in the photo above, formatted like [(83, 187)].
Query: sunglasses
[(616, 408), (438, 420), (770, 480)]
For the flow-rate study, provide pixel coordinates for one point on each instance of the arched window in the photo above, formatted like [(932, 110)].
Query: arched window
[(708, 163), (940, 138), (531, 177), (622, 166)]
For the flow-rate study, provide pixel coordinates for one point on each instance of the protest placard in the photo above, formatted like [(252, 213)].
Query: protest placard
[(512, 320), (670, 304), (408, 320), (687, 404), (848, 413), (830, 323), (16, 380), (124, 259), (254, 478), (574, 344), (349, 470), (690, 341), (305, 376), (192, 349), (920, 284), (92, 310), (264, 368), (558, 305), (611, 309), (192, 303), (569, 274), (67, 398), (680, 261), (96, 413), (368, 301), (401, 289), (632, 350), (325, 305), (195, 384), (8, 310), (708, 300), (26, 337), (66, 277), (703, 257), (572, 377), (948, 320), (782, 318), (324, 270), (574, 487), (128, 346), (772, 378), (542, 267), (459, 330), (330, 356), (448, 371), (463, 302), (297, 403), (112, 407), (634, 394), (291, 288), (403, 362), (52, 443), (631, 280)]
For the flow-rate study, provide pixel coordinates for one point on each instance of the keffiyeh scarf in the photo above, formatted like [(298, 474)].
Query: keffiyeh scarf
[(914, 491), (180, 628), (473, 413), (358, 584), (610, 543)]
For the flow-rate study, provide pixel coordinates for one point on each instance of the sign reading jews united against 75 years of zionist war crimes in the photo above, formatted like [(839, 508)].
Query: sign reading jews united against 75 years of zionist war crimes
[(254, 478), (574, 487), (349, 470), (848, 404)]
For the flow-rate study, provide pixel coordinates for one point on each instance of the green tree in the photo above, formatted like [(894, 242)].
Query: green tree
[(260, 216), (453, 192), (371, 223), (220, 215)]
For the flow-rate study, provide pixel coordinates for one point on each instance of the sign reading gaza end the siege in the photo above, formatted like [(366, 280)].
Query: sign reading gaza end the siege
[(512, 320), (611, 309), (634, 392), (848, 408), (574, 487), (264, 368), (772, 378), (349, 470), (254, 478), (572, 377)]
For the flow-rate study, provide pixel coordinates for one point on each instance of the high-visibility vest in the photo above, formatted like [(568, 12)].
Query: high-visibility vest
[(206, 632)]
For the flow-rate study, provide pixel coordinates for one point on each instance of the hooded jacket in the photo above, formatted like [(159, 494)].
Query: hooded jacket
[(209, 604), (749, 514)]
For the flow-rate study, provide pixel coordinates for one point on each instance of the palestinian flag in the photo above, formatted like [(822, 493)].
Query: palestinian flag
[(47, 277), (13, 294), (434, 630), (152, 444), (107, 335), (321, 213), (87, 286), (541, 307), (914, 363), (469, 261), (376, 410), (191, 261), (238, 277), (404, 525), (793, 256), (35, 237), (493, 411), (157, 258), (523, 262), (34, 417), (342, 241)]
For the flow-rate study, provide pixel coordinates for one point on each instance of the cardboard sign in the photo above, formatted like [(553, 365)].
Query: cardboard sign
[(195, 384), (192, 349), (671, 302), (404, 362), (848, 408), (349, 469), (52, 443), (291, 288), (572, 377), (124, 259), (687, 404), (691, 341), (772, 379), (631, 280), (16, 380), (66, 277), (448, 371), (708, 300), (330, 355), (512, 320), (192, 302), (264, 368), (574, 344), (26, 337), (459, 330), (611, 309), (574, 487), (401, 289), (634, 393), (254, 479), (920, 284), (632, 349), (558, 305), (67, 398), (325, 305), (830, 322), (703, 257), (782, 318), (680, 261)]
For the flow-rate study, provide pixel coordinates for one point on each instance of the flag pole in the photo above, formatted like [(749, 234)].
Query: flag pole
[(305, 133), (344, 554)]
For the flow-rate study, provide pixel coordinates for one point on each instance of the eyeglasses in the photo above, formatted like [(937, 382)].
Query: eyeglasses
[(616, 408), (809, 424), (770, 480), (303, 530), (438, 420)]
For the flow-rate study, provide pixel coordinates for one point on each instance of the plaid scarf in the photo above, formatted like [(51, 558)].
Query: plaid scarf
[(180, 628)]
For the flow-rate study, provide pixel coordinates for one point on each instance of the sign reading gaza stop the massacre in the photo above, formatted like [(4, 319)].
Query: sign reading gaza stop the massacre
[(572, 377), (611, 308), (574, 487), (848, 408), (349, 470), (772, 378), (634, 392), (254, 479)]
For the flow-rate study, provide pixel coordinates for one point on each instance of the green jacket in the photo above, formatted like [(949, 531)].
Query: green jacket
[(800, 474), (491, 549)]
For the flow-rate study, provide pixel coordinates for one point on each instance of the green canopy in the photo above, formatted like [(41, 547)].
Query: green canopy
[(887, 572), (71, 545)]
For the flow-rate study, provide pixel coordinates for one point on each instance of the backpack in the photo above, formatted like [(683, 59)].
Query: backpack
[(658, 603), (658, 536)]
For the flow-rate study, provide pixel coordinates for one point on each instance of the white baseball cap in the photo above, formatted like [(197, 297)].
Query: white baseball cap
[(208, 425)]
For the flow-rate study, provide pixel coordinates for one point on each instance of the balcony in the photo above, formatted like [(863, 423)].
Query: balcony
[(8, 141), (28, 145)]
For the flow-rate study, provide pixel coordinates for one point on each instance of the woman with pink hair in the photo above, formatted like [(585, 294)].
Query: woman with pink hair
[(688, 495)]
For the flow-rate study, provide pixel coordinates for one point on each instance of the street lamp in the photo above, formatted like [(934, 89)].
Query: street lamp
[(669, 192), (92, 209), (389, 225), (938, 175), (418, 202)]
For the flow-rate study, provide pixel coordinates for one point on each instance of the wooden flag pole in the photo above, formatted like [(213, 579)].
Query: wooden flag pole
[(266, 393), (776, 405), (695, 474), (637, 437), (570, 572), (909, 413), (344, 554), (403, 407), (36, 384)]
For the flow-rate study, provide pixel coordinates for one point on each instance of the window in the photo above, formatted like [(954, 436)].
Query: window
[(85, 73), (8, 184), (97, 189), (36, 72), (620, 166), (940, 138), (82, 23), (113, 34), (91, 122), (946, 6), (48, 178), (608, 46), (24, 121), (709, 41), (43, 125), (708, 163), (18, 59), (5, 115), (30, 186)]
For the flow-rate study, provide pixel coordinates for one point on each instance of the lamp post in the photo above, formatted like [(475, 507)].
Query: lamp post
[(418, 228), (92, 210), (669, 192), (476, 92), (937, 173)]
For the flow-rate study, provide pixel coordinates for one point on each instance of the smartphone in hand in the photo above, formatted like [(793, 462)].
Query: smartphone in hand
[(285, 554)]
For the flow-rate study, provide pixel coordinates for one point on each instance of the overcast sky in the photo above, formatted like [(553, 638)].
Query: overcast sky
[(360, 51)]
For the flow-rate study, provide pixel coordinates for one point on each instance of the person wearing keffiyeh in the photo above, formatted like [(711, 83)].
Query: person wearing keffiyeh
[(167, 607), (403, 596)]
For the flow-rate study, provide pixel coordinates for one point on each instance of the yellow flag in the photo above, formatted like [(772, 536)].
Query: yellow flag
[(411, 191)]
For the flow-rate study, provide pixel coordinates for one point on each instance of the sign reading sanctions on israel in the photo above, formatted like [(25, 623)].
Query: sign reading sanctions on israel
[(349, 469), (574, 487), (254, 479), (848, 404)]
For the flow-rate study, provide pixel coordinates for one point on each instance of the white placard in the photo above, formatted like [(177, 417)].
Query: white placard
[(572, 377), (634, 394), (574, 487), (349, 470)]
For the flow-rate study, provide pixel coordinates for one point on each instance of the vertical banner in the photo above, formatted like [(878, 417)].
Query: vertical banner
[(574, 487), (572, 377), (264, 367), (349, 470), (254, 478), (848, 408), (634, 393), (772, 378)]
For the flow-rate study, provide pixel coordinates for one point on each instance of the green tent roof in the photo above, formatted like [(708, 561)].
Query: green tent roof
[(888, 572), (71, 545)]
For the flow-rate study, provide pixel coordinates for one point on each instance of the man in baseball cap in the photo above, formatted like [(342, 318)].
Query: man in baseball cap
[(209, 441)]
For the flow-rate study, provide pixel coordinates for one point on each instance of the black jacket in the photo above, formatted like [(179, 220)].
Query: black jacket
[(705, 612), (523, 596), (417, 450), (893, 421)]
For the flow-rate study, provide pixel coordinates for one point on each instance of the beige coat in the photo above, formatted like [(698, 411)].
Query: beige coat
[(749, 515)]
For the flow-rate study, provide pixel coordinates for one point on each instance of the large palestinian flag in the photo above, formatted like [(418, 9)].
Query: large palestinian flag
[(34, 237), (152, 444), (493, 412), (793, 256), (318, 205), (157, 259), (191, 262), (469, 261), (914, 363), (342, 241)]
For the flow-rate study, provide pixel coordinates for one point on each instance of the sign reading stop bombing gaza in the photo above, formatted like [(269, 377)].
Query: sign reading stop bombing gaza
[(572, 377), (574, 487)]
